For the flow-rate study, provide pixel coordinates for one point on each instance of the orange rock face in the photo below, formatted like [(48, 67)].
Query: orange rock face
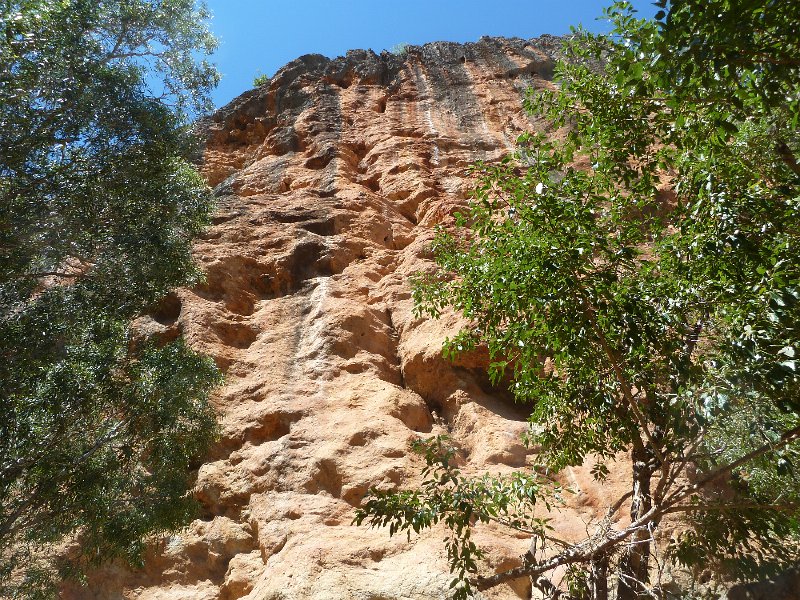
[(330, 179)]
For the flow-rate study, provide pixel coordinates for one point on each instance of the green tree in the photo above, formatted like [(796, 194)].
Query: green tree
[(646, 303), (260, 79), (98, 207)]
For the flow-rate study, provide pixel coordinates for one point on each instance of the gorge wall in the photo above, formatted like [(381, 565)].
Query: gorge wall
[(330, 179)]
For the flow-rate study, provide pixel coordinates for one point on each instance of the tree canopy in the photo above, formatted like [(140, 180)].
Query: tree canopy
[(639, 282), (99, 203)]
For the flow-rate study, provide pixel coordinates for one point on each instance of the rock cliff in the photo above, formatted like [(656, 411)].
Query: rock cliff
[(330, 178)]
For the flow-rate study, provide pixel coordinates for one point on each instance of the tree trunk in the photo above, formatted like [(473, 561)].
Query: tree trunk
[(632, 570), (599, 578), (549, 591)]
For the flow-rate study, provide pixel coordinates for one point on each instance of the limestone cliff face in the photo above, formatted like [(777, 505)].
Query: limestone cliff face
[(330, 179)]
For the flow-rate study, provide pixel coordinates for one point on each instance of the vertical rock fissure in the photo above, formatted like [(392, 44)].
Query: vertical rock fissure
[(395, 348)]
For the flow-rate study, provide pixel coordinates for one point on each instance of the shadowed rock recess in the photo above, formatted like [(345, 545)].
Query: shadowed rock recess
[(330, 179)]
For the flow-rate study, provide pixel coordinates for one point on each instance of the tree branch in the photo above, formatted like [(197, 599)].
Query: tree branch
[(787, 156), (686, 491), (621, 378), (8, 527), (583, 552), (784, 507)]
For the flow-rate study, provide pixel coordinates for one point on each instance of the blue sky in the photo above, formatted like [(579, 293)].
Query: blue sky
[(260, 36)]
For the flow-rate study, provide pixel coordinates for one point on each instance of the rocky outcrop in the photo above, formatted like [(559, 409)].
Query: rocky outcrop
[(330, 179)]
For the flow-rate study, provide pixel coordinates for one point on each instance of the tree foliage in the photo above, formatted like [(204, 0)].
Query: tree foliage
[(98, 206), (639, 282)]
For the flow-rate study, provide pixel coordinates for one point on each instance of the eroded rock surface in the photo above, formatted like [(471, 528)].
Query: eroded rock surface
[(330, 179)]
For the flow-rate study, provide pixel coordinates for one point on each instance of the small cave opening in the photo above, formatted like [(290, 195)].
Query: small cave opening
[(167, 310)]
